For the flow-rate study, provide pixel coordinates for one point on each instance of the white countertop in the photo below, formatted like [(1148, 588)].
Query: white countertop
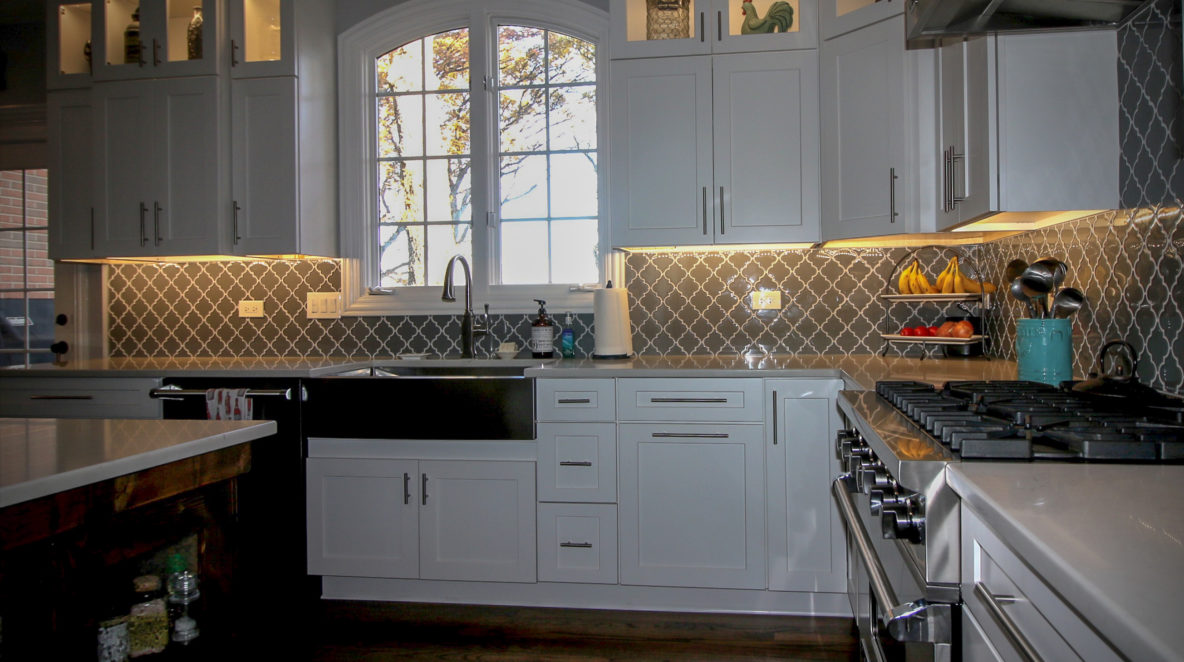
[(43, 456), (1109, 538)]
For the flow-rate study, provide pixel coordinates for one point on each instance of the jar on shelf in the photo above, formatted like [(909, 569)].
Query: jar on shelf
[(193, 34), (667, 19), (113, 641), (182, 601), (148, 621), (131, 39)]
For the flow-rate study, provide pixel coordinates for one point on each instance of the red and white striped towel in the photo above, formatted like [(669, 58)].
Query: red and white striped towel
[(229, 404)]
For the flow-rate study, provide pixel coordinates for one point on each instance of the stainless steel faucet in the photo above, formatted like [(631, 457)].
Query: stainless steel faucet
[(468, 326)]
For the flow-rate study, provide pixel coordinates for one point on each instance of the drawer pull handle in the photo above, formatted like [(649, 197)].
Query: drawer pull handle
[(699, 401), (581, 545), (994, 604), (61, 397), (570, 463), (690, 435), (574, 401)]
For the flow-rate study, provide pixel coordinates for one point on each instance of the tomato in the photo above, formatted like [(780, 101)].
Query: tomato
[(932, 330), (908, 331), (921, 331)]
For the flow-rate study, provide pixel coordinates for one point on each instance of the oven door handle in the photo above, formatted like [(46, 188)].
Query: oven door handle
[(910, 621)]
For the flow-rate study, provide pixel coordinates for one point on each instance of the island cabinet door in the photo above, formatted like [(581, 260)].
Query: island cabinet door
[(691, 507), (363, 517), (477, 520)]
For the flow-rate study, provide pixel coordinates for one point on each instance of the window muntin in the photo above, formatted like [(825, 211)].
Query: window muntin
[(548, 206), (26, 272)]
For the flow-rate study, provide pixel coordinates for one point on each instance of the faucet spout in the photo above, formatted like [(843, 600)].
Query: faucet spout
[(467, 330)]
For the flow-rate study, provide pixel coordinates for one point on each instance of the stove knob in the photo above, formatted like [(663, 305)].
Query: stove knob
[(880, 500), (875, 477), (844, 441), (902, 523), (856, 466)]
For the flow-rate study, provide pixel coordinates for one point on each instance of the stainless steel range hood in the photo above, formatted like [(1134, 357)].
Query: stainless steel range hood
[(931, 19)]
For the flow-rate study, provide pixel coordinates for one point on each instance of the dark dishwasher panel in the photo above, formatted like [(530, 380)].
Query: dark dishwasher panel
[(485, 408)]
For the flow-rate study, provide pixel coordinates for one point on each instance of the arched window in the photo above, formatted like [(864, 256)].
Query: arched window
[(472, 129)]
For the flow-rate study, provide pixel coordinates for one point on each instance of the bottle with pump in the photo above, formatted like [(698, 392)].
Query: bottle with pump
[(542, 334), (567, 339)]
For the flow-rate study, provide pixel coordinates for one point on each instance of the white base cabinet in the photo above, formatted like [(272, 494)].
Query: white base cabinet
[(432, 519), (578, 543)]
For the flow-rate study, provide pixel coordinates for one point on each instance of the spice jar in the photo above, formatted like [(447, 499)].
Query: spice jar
[(148, 622), (182, 601), (113, 644)]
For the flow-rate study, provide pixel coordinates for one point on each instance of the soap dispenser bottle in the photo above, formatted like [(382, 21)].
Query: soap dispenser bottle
[(567, 339), (542, 334)]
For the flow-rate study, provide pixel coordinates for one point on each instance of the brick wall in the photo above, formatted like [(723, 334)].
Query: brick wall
[(27, 208)]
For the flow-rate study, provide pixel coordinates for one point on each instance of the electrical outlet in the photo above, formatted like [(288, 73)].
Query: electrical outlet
[(248, 308), (766, 300), (323, 305)]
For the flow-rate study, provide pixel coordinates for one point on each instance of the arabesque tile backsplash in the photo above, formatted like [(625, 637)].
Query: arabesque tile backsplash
[(1127, 262)]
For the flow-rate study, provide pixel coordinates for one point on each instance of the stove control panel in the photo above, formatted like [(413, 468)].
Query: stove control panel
[(901, 511)]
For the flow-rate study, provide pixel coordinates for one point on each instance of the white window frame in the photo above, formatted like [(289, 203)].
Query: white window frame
[(357, 50)]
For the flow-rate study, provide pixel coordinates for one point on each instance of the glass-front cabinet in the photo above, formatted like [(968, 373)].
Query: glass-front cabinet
[(262, 38), (653, 28), (69, 49), (842, 16), (156, 38)]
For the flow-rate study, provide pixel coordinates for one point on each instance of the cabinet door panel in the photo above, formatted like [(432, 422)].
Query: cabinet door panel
[(766, 147), (864, 174), (691, 507), (126, 158), (264, 146), (577, 462), (263, 33), (72, 233), (661, 175), (840, 16), (190, 212), (360, 521), (477, 521)]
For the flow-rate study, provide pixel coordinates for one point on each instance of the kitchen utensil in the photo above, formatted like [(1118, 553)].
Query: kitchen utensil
[(1017, 291), (1059, 271), (1014, 270), (1067, 302), (1037, 282)]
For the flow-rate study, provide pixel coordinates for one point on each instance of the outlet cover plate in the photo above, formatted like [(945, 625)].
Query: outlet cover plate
[(323, 305), (766, 300), (249, 308)]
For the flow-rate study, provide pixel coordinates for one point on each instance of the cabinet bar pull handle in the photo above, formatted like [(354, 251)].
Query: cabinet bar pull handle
[(143, 235), (61, 397), (570, 463), (719, 26), (702, 35), (774, 418), (721, 211), (233, 53), (704, 210), (423, 489), (892, 195), (155, 52), (237, 237), (955, 157), (406, 488), (574, 401), (994, 604), (945, 180), (156, 209), (173, 392), (690, 400), (581, 545), (690, 435)]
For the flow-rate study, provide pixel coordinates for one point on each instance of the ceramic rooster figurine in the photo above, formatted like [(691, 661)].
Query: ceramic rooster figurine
[(779, 18)]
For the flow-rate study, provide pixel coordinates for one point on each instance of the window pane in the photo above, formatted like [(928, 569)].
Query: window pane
[(448, 115), (401, 70), (12, 260), (38, 266), (444, 241), (573, 117), (401, 257), (524, 252), (520, 55), (572, 60), (12, 325), (400, 191), (575, 251), (522, 120), (39, 326), (400, 126), (36, 198), (448, 66), (449, 190), (11, 214), (573, 185), (523, 187)]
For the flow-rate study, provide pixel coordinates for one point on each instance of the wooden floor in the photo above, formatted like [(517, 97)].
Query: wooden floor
[(367, 631)]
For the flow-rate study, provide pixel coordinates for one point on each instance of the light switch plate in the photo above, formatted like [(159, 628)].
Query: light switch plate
[(766, 300), (323, 305), (248, 308)]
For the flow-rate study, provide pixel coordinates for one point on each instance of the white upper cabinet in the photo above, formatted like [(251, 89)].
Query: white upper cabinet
[(652, 28), (156, 38), (69, 115), (263, 38), (1029, 123), (715, 149), (842, 16)]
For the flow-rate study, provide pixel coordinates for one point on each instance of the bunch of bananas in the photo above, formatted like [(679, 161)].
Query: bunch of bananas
[(950, 281)]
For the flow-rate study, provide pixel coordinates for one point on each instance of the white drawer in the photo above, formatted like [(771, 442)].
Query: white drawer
[(690, 400), (578, 543), (577, 462), (64, 397), (1041, 617), (574, 399)]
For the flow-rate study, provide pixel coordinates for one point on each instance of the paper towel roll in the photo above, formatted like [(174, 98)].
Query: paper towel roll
[(614, 338)]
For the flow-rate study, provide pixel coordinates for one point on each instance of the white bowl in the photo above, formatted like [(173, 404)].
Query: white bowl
[(507, 355)]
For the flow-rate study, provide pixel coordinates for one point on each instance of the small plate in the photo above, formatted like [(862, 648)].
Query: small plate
[(412, 357)]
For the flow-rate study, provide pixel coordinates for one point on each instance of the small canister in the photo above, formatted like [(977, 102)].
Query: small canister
[(148, 622), (113, 643)]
